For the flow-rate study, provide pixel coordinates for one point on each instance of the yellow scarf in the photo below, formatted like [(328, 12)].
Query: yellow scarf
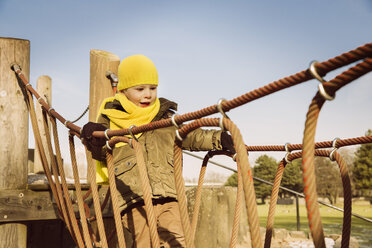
[(133, 115)]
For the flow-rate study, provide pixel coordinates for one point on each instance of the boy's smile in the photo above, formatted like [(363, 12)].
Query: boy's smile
[(143, 95)]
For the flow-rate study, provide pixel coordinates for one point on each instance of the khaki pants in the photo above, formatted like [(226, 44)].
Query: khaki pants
[(168, 222)]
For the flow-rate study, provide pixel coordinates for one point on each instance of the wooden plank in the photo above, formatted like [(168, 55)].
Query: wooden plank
[(27, 205)]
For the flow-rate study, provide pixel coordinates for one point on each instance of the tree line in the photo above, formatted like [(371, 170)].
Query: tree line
[(328, 180)]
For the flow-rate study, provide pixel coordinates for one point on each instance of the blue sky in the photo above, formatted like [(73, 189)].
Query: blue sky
[(204, 51)]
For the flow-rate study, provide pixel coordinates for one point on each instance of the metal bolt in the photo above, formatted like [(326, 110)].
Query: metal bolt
[(21, 195)]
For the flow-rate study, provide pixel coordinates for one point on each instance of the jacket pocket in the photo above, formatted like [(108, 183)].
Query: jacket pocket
[(127, 178), (124, 165)]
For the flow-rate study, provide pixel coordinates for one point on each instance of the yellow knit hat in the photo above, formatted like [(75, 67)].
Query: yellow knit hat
[(136, 70)]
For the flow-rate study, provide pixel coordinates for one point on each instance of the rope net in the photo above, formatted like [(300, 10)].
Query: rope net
[(80, 226)]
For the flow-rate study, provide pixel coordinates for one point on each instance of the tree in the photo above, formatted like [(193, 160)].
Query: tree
[(362, 170), (265, 168), (292, 176), (328, 179), (232, 180)]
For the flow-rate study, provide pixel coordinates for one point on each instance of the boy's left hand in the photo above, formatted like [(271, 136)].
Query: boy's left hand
[(227, 143), (93, 144)]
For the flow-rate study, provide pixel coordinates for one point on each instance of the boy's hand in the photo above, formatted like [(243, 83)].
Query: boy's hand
[(227, 143), (93, 144)]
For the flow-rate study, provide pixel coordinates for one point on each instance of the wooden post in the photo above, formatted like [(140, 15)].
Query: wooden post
[(44, 88), (13, 132), (100, 87)]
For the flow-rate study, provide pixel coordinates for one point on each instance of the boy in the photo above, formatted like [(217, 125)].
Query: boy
[(137, 104)]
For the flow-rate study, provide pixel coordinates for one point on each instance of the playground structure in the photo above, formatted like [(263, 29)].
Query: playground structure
[(106, 67)]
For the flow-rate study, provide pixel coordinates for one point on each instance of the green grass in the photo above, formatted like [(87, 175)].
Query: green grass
[(285, 217)]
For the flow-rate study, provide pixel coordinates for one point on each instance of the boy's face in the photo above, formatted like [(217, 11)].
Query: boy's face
[(142, 95)]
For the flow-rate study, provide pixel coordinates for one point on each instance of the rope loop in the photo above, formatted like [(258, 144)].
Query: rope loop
[(219, 107), (174, 121), (66, 122), (108, 146), (288, 152), (178, 135), (321, 89), (224, 115), (106, 135), (220, 123), (131, 133), (49, 110), (15, 67), (234, 157), (335, 148)]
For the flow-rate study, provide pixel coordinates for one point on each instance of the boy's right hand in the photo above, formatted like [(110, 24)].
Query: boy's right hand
[(92, 143)]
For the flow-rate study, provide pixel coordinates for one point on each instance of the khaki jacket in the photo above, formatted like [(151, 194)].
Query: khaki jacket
[(157, 146)]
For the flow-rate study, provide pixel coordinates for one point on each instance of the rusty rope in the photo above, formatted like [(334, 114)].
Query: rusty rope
[(318, 145), (145, 186), (308, 146), (96, 203), (181, 195), (59, 198), (152, 220), (243, 165), (67, 198), (346, 186), (323, 68), (79, 196), (114, 199)]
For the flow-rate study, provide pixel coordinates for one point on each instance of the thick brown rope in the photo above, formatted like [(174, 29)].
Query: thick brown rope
[(322, 67), (60, 201), (347, 194), (249, 193), (308, 146), (238, 210), (181, 195), (115, 201), (96, 203), (272, 205), (79, 195), (58, 197), (197, 201), (70, 210), (346, 227), (147, 193), (318, 145), (243, 164)]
